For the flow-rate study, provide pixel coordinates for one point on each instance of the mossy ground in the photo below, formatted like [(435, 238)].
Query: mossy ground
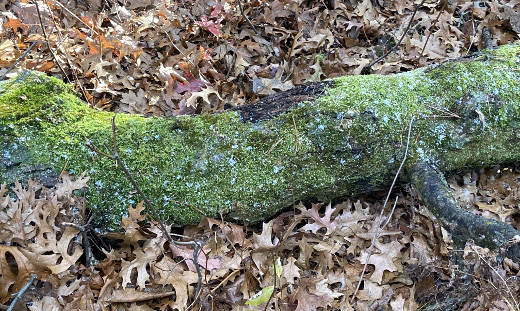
[(351, 140)]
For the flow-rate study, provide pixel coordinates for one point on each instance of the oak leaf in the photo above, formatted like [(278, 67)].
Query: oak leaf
[(320, 222), (15, 269), (307, 297), (205, 95), (384, 261), (290, 270)]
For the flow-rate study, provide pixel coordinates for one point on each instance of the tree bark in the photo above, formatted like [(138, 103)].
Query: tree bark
[(322, 141)]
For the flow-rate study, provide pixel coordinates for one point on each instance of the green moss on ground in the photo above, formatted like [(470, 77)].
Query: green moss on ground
[(350, 141)]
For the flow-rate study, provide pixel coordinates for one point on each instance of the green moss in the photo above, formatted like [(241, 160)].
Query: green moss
[(349, 142), (469, 102)]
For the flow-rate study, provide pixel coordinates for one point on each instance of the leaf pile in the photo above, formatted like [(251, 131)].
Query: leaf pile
[(310, 258), (192, 56)]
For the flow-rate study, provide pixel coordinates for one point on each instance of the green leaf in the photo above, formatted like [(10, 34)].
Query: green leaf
[(278, 267), (261, 297)]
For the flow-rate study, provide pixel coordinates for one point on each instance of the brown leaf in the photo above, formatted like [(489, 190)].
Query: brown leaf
[(320, 222), (307, 297), (205, 95), (15, 270), (290, 271), (171, 273), (187, 253), (52, 252), (386, 260), (135, 102), (130, 223)]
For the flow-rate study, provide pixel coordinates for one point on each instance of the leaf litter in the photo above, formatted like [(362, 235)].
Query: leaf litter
[(192, 56), (173, 58)]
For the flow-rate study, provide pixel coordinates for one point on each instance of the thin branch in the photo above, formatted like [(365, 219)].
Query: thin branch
[(87, 249), (21, 292), (366, 69), (450, 114), (245, 17), (18, 60), (68, 58), (274, 286), (47, 41), (75, 16), (473, 26), (434, 23), (509, 291), (190, 206), (379, 227)]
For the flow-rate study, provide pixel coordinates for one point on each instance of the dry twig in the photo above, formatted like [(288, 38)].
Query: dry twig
[(246, 18), (366, 69), (379, 227), (443, 6), (48, 43), (18, 60), (21, 292)]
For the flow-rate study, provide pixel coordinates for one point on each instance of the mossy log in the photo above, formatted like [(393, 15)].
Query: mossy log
[(250, 163)]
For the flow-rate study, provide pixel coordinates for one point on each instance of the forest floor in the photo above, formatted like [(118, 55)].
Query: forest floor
[(171, 58)]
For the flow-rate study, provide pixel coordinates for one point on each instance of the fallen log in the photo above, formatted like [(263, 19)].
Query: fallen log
[(320, 141)]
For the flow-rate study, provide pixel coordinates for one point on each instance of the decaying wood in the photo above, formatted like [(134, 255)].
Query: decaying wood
[(276, 104), (252, 162)]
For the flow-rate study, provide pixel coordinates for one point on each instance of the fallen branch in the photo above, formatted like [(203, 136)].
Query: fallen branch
[(319, 142)]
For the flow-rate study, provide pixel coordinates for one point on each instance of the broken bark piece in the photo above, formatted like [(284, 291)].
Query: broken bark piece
[(276, 104)]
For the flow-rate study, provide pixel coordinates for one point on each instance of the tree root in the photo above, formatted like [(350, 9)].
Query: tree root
[(463, 225)]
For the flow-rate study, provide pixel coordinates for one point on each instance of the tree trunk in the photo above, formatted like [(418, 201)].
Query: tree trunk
[(321, 141)]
